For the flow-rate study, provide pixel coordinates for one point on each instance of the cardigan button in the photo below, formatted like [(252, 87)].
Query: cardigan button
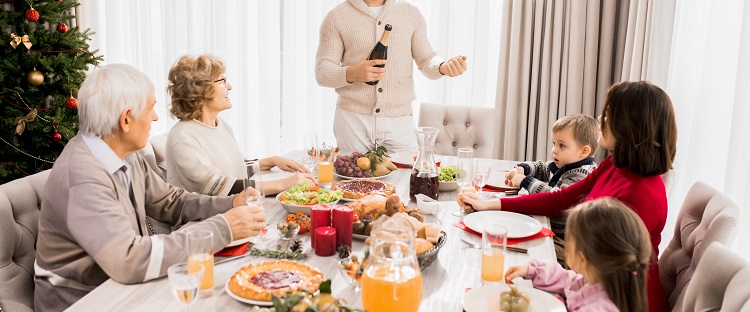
[(445, 123), (380, 89), (476, 146), (377, 110), (378, 22), (454, 143)]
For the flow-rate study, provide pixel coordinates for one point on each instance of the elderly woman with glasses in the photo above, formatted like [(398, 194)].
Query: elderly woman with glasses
[(202, 153)]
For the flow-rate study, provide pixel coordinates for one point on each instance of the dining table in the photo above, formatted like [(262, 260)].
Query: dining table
[(445, 280)]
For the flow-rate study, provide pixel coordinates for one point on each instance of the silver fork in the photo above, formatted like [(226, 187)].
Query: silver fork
[(511, 248)]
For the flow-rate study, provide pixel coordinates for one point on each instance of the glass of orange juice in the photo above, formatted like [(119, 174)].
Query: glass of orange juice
[(200, 255), (494, 241), (326, 154)]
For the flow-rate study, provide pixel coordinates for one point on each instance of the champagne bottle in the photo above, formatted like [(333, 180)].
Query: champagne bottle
[(380, 51)]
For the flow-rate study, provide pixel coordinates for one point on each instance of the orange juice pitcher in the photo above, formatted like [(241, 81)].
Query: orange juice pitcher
[(392, 279)]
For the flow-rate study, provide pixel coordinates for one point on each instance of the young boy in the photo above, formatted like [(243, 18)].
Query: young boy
[(574, 141)]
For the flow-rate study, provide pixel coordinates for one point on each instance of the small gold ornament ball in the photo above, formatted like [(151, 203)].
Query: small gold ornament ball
[(35, 77)]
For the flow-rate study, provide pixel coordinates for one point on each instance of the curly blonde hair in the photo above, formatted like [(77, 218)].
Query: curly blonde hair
[(191, 84)]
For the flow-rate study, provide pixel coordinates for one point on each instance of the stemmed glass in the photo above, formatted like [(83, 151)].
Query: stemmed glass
[(185, 282), (481, 174), (463, 173), (254, 195), (310, 146)]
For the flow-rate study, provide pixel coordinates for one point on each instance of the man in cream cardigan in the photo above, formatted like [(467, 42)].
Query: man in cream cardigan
[(382, 112), (92, 222)]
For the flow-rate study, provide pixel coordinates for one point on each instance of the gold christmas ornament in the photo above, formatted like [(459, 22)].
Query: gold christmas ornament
[(35, 77)]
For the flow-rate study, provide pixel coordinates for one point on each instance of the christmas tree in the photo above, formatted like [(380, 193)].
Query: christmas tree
[(43, 61)]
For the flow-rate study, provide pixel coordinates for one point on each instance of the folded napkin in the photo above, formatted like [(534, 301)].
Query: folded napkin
[(233, 251), (400, 166), (511, 241)]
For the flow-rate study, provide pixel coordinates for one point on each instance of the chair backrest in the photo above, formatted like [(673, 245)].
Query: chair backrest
[(706, 216), (20, 201), (155, 154), (460, 126), (719, 282)]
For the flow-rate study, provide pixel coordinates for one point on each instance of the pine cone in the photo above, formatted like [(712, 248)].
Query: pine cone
[(296, 245)]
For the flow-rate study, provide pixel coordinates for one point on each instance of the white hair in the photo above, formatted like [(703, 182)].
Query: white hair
[(109, 91)]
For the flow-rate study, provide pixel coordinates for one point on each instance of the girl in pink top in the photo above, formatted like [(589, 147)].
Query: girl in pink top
[(608, 249)]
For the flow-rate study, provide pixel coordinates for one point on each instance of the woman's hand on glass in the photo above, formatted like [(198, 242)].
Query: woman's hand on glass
[(471, 202)]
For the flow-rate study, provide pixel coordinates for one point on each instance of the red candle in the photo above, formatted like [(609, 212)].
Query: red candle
[(342, 221), (320, 215), (325, 241)]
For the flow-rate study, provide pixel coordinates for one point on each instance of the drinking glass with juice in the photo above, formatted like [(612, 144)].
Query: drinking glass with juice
[(200, 255), (325, 166), (494, 241)]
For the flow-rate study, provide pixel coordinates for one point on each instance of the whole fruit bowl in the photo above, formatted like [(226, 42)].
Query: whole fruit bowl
[(373, 164)]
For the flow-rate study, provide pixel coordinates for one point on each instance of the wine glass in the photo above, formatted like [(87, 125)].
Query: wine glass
[(463, 173), (254, 194), (481, 173), (310, 146), (185, 282)]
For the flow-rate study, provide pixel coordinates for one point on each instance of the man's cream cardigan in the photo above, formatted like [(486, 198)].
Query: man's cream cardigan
[(349, 32)]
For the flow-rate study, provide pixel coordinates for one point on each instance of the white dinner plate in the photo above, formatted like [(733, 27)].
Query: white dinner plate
[(407, 158), (404, 159), (518, 225), (487, 298), (238, 298), (273, 175), (239, 241), (353, 178), (497, 181)]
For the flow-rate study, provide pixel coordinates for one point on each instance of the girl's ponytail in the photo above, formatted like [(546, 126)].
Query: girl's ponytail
[(616, 244)]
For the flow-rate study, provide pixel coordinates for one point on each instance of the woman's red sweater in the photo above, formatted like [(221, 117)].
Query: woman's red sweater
[(647, 196)]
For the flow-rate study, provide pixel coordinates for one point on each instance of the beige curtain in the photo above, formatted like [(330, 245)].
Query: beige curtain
[(558, 57)]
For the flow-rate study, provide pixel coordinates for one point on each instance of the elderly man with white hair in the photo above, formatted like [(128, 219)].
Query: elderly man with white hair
[(93, 224)]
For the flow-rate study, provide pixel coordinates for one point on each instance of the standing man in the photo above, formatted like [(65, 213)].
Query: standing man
[(92, 223), (382, 112)]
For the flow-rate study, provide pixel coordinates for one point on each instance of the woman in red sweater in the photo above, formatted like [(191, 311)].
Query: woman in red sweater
[(639, 129)]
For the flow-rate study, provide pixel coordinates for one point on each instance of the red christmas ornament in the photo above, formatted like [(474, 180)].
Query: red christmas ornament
[(62, 28), (32, 15), (56, 137), (72, 103)]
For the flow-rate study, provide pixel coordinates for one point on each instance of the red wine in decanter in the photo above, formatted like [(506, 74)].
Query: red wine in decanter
[(380, 51)]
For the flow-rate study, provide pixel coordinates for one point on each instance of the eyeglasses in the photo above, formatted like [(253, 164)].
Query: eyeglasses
[(222, 80)]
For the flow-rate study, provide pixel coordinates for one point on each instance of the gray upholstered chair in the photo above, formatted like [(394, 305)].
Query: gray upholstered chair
[(19, 216), (155, 154), (460, 126), (706, 216), (719, 282)]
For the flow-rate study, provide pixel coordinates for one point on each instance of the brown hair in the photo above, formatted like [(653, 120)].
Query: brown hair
[(585, 129), (616, 243), (640, 117), (191, 84)]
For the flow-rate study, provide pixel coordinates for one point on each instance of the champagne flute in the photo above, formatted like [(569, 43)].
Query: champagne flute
[(254, 194), (185, 283), (482, 171), (463, 173), (310, 146)]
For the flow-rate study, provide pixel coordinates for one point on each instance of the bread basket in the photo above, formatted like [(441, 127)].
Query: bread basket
[(427, 257)]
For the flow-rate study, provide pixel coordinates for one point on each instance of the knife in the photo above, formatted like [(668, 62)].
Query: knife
[(231, 258)]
